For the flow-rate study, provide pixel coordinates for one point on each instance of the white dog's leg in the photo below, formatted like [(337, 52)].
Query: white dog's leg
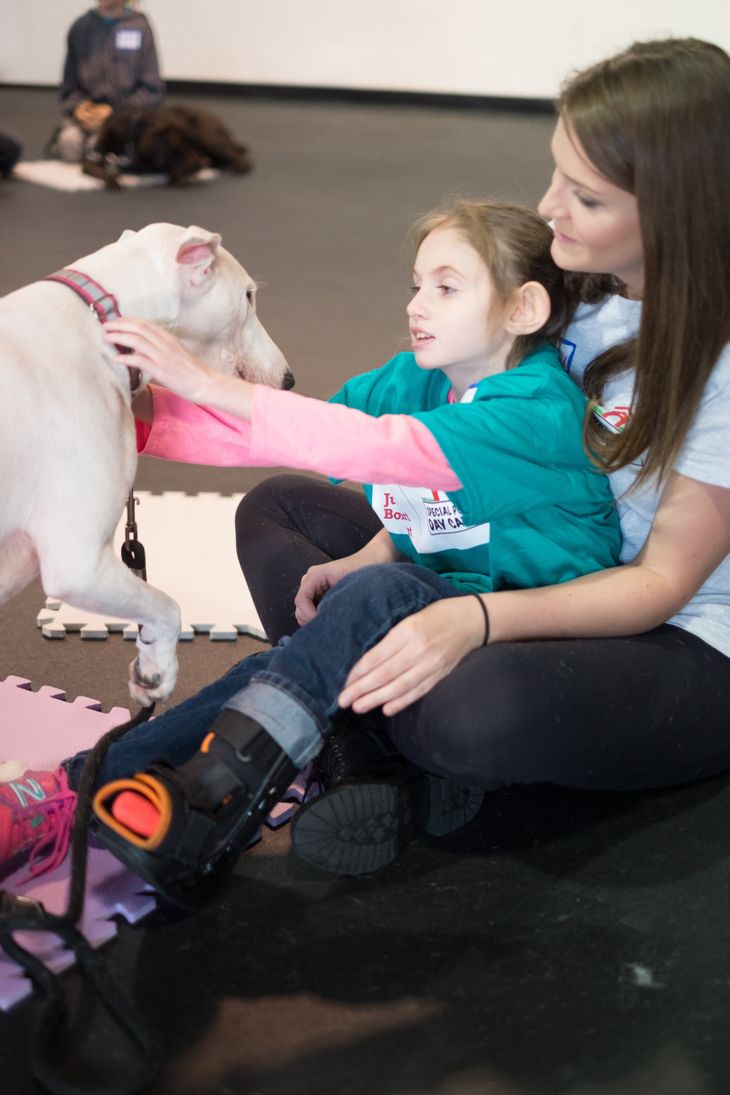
[(100, 582), (18, 564)]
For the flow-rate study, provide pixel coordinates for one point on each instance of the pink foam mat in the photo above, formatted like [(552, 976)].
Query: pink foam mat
[(42, 728)]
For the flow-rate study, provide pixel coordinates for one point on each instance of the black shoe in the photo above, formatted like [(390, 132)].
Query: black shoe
[(357, 751), (375, 803), (182, 829)]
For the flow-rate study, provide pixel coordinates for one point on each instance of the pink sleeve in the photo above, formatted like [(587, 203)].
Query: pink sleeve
[(194, 435), (143, 432), (294, 431), (298, 432)]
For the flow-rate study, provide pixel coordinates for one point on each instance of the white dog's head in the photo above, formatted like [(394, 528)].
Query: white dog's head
[(208, 300)]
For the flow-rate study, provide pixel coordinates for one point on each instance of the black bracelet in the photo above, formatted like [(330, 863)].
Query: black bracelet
[(483, 607)]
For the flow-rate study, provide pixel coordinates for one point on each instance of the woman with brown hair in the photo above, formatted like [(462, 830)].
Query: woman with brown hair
[(620, 679)]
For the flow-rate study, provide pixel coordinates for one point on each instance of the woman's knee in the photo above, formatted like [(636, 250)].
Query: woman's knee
[(487, 723), (267, 501)]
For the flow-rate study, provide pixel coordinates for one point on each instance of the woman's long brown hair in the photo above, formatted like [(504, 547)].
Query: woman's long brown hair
[(654, 121)]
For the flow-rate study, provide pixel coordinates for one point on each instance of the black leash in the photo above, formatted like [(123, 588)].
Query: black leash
[(23, 914), (133, 554)]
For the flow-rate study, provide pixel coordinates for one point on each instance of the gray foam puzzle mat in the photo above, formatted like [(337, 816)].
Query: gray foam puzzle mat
[(189, 541)]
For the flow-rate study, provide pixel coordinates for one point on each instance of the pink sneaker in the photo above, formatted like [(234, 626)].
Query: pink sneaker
[(36, 818)]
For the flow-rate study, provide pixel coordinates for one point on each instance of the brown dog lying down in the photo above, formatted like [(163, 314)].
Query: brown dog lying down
[(176, 141)]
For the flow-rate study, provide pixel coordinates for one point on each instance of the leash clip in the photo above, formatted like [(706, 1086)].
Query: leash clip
[(133, 554)]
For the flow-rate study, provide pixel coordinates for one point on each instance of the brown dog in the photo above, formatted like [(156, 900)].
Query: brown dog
[(176, 141)]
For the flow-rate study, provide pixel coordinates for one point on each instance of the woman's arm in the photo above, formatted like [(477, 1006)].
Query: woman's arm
[(689, 538)]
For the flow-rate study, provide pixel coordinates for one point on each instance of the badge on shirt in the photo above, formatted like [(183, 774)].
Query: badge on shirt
[(613, 418), (429, 517), (129, 38)]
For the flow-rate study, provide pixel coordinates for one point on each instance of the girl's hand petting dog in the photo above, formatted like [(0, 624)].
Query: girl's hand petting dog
[(162, 356)]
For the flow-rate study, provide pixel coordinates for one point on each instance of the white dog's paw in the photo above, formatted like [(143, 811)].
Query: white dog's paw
[(148, 688)]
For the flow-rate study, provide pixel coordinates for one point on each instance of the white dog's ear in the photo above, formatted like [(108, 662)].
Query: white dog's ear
[(196, 255), (126, 234)]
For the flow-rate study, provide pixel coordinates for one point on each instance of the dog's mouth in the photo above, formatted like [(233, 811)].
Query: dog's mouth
[(288, 380)]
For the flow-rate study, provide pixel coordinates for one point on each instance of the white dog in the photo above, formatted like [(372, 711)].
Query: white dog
[(67, 440)]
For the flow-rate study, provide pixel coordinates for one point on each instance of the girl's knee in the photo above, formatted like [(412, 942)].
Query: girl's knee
[(377, 580)]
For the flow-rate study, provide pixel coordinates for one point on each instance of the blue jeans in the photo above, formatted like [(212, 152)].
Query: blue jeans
[(292, 689)]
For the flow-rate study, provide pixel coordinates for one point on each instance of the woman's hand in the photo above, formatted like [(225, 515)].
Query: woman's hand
[(162, 355), (414, 655), (318, 579)]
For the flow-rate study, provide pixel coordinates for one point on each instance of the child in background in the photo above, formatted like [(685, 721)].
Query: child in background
[(110, 59)]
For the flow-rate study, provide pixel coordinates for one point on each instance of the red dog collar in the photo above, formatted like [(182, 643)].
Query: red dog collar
[(102, 303)]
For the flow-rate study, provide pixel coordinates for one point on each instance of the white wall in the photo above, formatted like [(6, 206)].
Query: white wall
[(475, 47)]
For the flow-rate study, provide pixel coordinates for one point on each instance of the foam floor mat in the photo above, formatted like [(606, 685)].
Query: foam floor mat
[(42, 728), (69, 176), (189, 543)]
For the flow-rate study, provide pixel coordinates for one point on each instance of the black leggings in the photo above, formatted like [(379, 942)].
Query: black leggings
[(634, 713)]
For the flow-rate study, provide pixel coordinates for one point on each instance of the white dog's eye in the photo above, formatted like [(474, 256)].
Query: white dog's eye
[(251, 297)]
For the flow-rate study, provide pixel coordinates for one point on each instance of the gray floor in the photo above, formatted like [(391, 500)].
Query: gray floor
[(565, 942)]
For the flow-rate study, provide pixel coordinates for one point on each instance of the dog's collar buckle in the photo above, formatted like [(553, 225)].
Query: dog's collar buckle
[(102, 304)]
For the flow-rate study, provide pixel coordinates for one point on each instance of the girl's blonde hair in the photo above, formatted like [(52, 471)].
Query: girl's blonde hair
[(514, 244), (653, 120)]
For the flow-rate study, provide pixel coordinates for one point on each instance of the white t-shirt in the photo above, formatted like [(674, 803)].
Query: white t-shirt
[(705, 455)]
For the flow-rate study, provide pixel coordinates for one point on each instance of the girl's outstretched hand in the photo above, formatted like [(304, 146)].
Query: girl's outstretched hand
[(162, 356), (414, 655)]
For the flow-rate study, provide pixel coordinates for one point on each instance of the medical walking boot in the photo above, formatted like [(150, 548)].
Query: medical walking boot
[(182, 829)]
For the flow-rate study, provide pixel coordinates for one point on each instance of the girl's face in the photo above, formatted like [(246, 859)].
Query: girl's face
[(449, 314), (596, 223)]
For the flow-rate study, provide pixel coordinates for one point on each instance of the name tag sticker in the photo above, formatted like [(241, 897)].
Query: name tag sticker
[(129, 38), (428, 516)]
